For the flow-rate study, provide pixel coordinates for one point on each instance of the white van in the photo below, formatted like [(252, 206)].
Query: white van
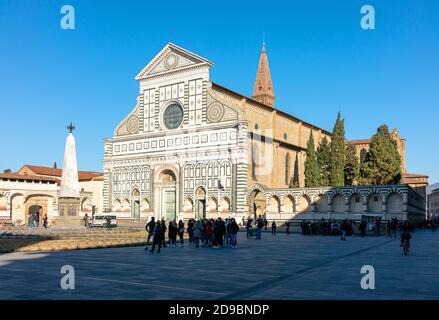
[(100, 220)]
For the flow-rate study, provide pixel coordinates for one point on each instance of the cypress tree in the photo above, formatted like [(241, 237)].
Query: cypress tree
[(351, 168), (323, 156), (337, 155), (295, 180), (383, 162), (312, 175)]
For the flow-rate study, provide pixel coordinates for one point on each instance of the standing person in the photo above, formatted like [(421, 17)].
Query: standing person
[(172, 233), (221, 232), (190, 229), (108, 222), (362, 227), (45, 221), (344, 229), (196, 231), (226, 233), (265, 223), (157, 237), (150, 229), (259, 226), (181, 232), (248, 226), (86, 220), (388, 229), (273, 228), (162, 236), (378, 226), (233, 230), (288, 227)]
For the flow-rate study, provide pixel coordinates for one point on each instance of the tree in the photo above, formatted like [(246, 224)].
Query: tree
[(351, 168), (323, 156), (312, 175), (295, 180), (383, 162), (337, 154)]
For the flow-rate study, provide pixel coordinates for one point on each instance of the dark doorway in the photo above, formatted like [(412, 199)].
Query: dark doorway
[(34, 216)]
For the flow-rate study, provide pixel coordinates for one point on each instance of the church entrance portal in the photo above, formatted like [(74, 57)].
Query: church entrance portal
[(166, 189), (257, 204), (200, 203), (34, 215)]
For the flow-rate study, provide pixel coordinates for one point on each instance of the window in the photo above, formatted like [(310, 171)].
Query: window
[(173, 116)]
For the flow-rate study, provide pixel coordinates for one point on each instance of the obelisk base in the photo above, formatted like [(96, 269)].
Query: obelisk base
[(68, 210)]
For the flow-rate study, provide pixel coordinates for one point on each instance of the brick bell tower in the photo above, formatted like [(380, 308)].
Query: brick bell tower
[(263, 88)]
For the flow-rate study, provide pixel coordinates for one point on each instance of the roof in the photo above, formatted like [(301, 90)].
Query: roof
[(47, 171), (363, 141), (263, 84), (414, 175), (27, 177), (268, 108)]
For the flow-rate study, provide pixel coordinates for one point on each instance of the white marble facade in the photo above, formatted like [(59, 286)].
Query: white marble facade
[(182, 151)]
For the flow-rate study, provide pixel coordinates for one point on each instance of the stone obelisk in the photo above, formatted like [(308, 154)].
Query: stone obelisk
[(69, 197)]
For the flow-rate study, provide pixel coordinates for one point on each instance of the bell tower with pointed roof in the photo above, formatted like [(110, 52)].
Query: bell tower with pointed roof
[(263, 88)]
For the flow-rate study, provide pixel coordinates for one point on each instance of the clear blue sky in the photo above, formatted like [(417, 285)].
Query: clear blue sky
[(321, 62)]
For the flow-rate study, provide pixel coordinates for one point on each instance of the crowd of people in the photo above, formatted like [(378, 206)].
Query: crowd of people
[(205, 232), (330, 227)]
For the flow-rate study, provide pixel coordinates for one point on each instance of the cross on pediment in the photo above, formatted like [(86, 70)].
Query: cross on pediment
[(71, 127)]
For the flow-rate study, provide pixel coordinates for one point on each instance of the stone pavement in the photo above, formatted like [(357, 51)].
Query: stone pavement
[(276, 267)]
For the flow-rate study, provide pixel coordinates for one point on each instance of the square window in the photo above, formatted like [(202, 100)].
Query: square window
[(146, 145), (131, 146), (124, 147), (154, 144), (117, 149), (138, 145)]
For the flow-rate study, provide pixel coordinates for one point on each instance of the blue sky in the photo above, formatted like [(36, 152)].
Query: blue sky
[(321, 62)]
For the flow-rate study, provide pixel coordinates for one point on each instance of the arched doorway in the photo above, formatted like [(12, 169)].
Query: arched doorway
[(200, 203), (166, 190), (257, 204), (35, 215), (135, 204)]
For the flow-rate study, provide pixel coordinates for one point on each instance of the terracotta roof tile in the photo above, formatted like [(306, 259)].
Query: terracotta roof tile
[(47, 171)]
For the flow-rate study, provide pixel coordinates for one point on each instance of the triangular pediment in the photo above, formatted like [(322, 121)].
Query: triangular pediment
[(170, 59)]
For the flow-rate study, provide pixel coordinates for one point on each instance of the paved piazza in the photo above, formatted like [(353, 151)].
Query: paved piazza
[(281, 267)]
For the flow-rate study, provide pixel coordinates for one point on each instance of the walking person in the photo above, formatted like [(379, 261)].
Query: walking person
[(273, 228), (181, 232), (157, 237), (150, 229), (108, 222), (288, 228)]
